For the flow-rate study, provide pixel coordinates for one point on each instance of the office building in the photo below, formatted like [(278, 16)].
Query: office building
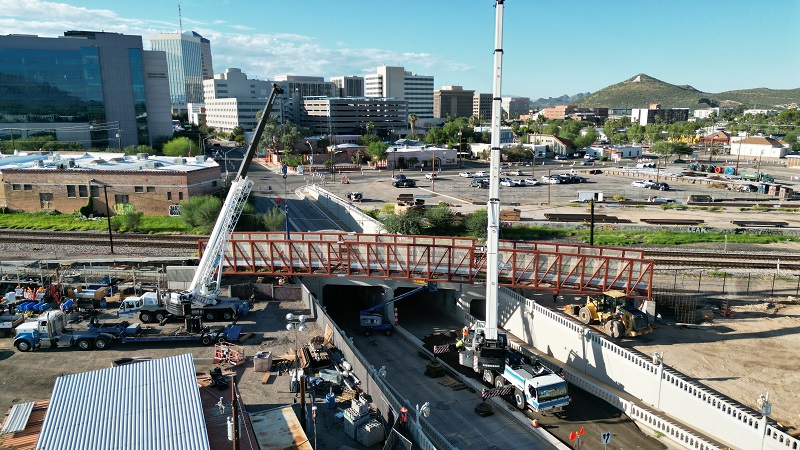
[(516, 106), (453, 102), (482, 106), (655, 113), (99, 89), (206, 64), (400, 84), (186, 66), (348, 86), (233, 100), (332, 116), (561, 112)]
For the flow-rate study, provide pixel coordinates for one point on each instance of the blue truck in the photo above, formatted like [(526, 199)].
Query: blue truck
[(50, 331)]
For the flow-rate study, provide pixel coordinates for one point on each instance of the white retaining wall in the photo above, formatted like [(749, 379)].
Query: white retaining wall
[(586, 351), (345, 211)]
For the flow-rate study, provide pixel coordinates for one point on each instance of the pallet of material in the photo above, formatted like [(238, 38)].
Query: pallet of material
[(673, 221), (510, 215), (405, 200), (759, 223)]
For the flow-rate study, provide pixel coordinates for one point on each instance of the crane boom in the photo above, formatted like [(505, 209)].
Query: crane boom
[(205, 284), (493, 205)]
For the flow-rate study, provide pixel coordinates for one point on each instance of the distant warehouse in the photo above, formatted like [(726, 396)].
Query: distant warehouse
[(154, 185)]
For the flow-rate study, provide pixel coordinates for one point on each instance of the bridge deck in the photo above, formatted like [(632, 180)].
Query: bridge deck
[(523, 265)]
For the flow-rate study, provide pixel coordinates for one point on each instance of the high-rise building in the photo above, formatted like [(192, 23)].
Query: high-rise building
[(350, 115), (398, 83), (205, 57), (186, 67), (233, 100), (516, 106), (482, 106), (655, 113), (452, 101), (349, 86), (99, 89)]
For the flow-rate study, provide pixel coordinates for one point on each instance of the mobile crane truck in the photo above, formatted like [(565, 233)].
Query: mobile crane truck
[(50, 331), (203, 295), (485, 348)]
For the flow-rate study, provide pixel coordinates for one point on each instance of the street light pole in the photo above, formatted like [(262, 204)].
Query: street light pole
[(298, 323), (433, 171), (459, 154), (394, 163)]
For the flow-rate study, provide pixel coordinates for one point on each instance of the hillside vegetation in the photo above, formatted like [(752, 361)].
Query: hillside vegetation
[(642, 90)]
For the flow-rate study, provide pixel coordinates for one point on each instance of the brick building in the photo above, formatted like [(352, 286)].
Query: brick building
[(154, 185)]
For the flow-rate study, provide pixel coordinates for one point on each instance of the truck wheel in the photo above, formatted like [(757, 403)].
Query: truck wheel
[(585, 315), (617, 329), (84, 344), (499, 381), (145, 316), (101, 343), (519, 399), (220, 338), (160, 316), (227, 315), (388, 332), (607, 328), (366, 332), (23, 346), (206, 340), (210, 316)]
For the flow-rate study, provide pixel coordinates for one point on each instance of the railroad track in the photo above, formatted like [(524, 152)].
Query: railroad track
[(708, 259), (92, 238)]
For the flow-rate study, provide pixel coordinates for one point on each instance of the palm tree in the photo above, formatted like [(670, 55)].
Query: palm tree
[(474, 121), (370, 126), (412, 120)]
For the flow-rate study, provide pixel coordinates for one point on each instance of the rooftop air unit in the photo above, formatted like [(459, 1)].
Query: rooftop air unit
[(199, 159), (142, 156)]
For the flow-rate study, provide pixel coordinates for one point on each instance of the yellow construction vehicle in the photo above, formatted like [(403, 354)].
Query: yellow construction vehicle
[(615, 312)]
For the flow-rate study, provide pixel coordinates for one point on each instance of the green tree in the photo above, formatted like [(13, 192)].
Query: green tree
[(474, 121), (274, 219), (666, 149), (181, 147), (440, 219), (412, 122), (476, 223), (370, 127), (377, 151), (409, 222), (237, 135), (611, 127), (134, 149), (635, 133), (587, 139), (201, 212)]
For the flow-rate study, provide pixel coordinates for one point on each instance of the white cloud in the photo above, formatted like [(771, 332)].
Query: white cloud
[(260, 55)]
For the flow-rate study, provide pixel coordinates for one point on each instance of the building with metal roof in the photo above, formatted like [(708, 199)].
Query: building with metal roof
[(154, 185), (150, 405)]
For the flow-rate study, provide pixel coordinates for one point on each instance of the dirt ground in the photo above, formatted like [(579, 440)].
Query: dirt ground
[(753, 353)]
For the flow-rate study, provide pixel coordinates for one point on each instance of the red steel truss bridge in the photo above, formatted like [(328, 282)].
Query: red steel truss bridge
[(568, 268)]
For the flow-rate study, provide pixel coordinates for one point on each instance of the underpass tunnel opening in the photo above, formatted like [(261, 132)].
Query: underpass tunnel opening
[(477, 308), (345, 302)]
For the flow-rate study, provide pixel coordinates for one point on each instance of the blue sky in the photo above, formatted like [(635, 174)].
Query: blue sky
[(550, 48)]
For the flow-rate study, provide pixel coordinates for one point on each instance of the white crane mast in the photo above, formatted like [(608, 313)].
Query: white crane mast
[(493, 205), (204, 288)]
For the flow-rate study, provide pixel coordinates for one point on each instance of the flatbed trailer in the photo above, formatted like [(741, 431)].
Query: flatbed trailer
[(8, 322), (49, 332)]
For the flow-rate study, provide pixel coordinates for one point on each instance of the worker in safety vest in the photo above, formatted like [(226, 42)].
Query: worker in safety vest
[(460, 345)]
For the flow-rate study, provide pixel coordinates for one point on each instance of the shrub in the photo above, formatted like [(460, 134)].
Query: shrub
[(201, 212), (131, 220)]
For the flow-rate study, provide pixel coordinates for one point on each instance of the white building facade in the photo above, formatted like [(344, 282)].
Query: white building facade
[(185, 62), (398, 83)]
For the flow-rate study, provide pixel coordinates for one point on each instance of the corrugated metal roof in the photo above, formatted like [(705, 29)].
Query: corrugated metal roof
[(26, 439), (150, 405), (17, 418)]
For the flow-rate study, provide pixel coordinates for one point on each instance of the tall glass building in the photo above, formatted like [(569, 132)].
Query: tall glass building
[(185, 54), (96, 88)]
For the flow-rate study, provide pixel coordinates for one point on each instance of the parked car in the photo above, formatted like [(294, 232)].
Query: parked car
[(479, 182), (506, 182), (551, 179), (661, 186), (530, 181), (515, 172), (430, 176), (595, 171), (642, 183), (404, 183), (465, 174), (519, 182), (588, 156), (399, 176), (561, 157), (661, 200), (505, 165), (588, 162), (746, 188), (481, 174)]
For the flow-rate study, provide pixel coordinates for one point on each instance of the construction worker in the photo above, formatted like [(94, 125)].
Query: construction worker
[(465, 332), (460, 345)]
